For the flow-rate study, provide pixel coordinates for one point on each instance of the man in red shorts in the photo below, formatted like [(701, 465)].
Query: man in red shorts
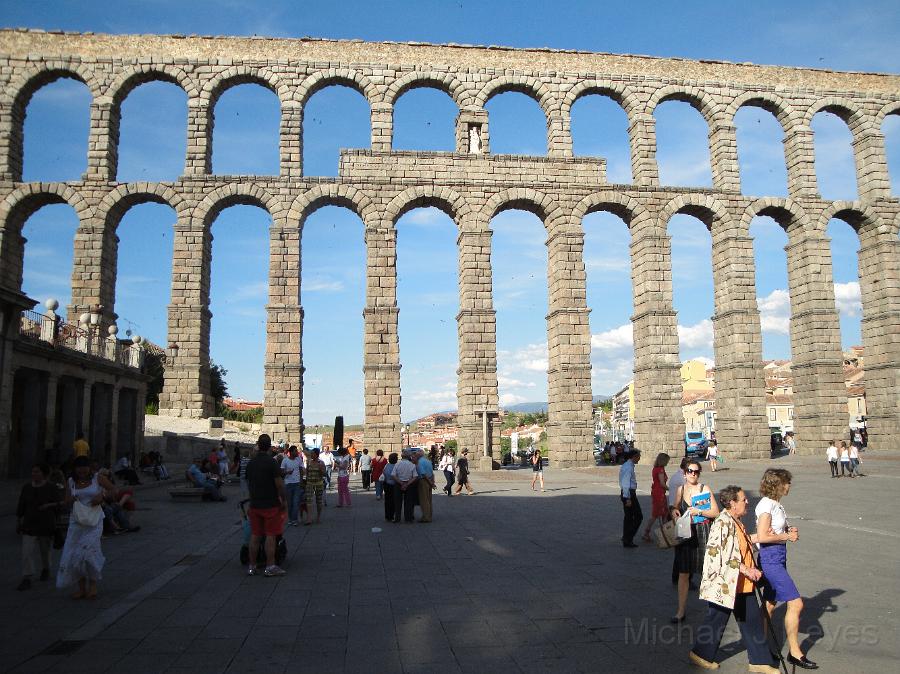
[(267, 505)]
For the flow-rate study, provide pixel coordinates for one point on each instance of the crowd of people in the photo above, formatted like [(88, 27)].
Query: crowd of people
[(709, 538)]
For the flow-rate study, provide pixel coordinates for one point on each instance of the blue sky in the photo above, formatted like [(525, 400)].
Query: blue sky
[(246, 141)]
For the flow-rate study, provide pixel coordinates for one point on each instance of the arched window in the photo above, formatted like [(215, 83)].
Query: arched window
[(600, 129), (333, 295), (153, 133), (334, 118), (428, 298), (760, 142), (247, 121), (682, 145), (516, 124), (425, 119), (835, 167), (57, 125)]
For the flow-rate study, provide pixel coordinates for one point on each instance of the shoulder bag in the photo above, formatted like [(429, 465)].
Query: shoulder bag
[(86, 516)]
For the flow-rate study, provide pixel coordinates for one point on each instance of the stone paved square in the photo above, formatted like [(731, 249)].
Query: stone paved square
[(508, 580)]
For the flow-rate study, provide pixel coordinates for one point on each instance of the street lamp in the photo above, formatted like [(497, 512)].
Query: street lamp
[(406, 430)]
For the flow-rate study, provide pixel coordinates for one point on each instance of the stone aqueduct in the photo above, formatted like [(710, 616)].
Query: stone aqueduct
[(472, 185)]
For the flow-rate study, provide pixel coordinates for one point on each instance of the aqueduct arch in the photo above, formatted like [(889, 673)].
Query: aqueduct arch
[(472, 183)]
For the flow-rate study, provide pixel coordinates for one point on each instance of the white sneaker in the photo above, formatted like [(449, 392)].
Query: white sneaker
[(251, 570), (274, 570)]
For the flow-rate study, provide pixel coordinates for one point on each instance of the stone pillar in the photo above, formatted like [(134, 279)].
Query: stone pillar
[(872, 179), (477, 341), (12, 119), (879, 264), (472, 135), (283, 386), (381, 347), (799, 155), (658, 423), (199, 139), (741, 423), (113, 425), (820, 396), (94, 270), (642, 137), (186, 390), (103, 142), (291, 140), (723, 156), (559, 134), (52, 449), (87, 405), (382, 121)]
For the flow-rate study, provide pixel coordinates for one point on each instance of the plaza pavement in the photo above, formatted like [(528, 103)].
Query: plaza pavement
[(505, 581)]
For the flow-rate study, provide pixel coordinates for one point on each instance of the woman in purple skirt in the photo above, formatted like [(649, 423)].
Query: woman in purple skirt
[(773, 533)]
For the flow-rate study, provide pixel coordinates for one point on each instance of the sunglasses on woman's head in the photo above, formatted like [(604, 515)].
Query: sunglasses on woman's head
[(694, 471)]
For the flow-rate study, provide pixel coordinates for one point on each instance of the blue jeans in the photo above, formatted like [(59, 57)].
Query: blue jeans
[(379, 488), (293, 498)]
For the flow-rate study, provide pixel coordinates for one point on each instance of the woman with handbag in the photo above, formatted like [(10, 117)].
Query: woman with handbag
[(695, 499), (82, 559), (773, 533), (660, 512), (729, 574)]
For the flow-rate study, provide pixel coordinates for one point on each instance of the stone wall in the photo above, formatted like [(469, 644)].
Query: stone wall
[(472, 186)]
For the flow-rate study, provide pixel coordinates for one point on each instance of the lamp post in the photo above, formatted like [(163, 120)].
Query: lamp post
[(406, 430)]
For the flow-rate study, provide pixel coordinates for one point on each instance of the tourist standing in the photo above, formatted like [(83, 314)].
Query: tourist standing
[(462, 473), (267, 506), (354, 460), (425, 484), (36, 513), (315, 486), (343, 463), (537, 468), (713, 454), (853, 451), (82, 558), (445, 465), (772, 534), (844, 453), (631, 507), (695, 498), (832, 455), (291, 470), (391, 490), (405, 475), (378, 464), (365, 469), (729, 573), (242, 474), (327, 458), (223, 462), (659, 503)]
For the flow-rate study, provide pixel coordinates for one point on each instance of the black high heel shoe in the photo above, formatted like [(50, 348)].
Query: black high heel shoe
[(802, 662)]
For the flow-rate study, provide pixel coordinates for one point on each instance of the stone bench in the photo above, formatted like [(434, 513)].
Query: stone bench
[(187, 493)]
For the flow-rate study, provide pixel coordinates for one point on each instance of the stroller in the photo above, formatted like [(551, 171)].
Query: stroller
[(280, 544)]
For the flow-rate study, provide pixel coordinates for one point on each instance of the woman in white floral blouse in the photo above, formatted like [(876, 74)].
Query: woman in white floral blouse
[(729, 573)]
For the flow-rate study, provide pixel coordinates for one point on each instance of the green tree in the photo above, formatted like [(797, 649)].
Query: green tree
[(451, 444), (218, 388), (153, 366)]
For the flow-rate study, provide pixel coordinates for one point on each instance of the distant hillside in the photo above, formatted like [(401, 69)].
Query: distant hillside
[(531, 408)]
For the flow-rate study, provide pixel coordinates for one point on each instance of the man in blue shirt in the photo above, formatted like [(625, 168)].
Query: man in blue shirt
[(632, 507), (425, 484), (200, 479)]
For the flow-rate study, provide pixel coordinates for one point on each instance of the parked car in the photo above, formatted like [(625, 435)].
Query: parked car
[(695, 445)]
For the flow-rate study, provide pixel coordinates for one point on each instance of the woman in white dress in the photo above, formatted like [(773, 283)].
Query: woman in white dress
[(82, 559)]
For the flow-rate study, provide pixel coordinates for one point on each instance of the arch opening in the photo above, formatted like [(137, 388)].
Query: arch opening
[(56, 129), (245, 134), (600, 129), (152, 132), (891, 130), (682, 145), (760, 142), (835, 167), (425, 119), (48, 256), (773, 298), (428, 298), (334, 117), (333, 291), (517, 124)]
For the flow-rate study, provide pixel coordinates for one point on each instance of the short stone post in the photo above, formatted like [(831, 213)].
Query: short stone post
[(112, 343), (50, 322)]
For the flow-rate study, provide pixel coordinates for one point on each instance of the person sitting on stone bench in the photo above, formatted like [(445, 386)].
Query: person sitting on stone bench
[(124, 470), (116, 519), (159, 466), (200, 479)]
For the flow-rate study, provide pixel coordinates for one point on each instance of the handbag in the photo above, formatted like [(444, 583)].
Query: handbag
[(683, 527), (666, 535), (86, 516)]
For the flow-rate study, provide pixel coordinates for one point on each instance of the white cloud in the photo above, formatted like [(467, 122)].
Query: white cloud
[(696, 336), (848, 299), (532, 357), (775, 312), (322, 286), (507, 399), (613, 340), (507, 382), (427, 216), (613, 264)]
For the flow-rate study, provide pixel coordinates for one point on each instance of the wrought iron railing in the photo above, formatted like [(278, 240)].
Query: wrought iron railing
[(30, 324)]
